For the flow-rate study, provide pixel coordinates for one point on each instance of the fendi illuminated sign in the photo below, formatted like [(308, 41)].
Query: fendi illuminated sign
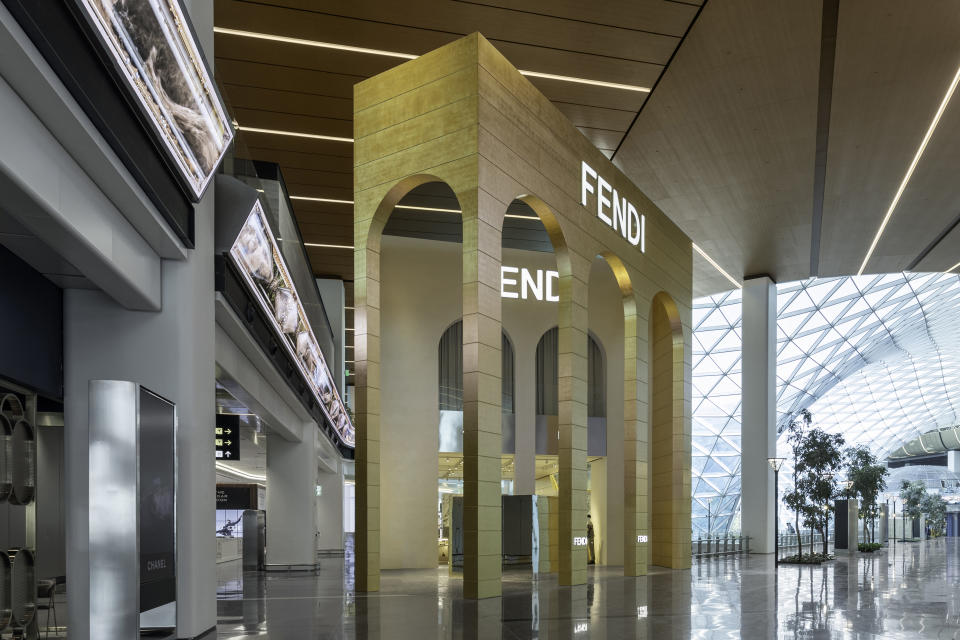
[(616, 212), (522, 283)]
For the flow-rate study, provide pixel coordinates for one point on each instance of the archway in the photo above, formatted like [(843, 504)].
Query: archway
[(396, 370), (669, 483)]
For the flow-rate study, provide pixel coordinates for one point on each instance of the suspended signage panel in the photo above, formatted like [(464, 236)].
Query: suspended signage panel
[(256, 254), (226, 437)]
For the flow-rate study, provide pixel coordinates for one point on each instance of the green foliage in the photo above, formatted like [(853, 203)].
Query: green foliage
[(796, 432), (817, 457), (935, 507), (869, 479), (869, 547), (807, 558), (820, 459), (912, 494)]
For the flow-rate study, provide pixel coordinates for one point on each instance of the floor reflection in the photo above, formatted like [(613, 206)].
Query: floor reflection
[(907, 591)]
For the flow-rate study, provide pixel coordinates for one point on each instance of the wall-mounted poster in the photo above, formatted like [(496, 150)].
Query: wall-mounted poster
[(256, 254), (161, 66)]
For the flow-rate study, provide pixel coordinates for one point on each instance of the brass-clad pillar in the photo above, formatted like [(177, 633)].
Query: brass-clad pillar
[(367, 395), (481, 398), (670, 436), (572, 396), (636, 513)]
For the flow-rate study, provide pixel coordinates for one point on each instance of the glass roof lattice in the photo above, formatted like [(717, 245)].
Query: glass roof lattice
[(873, 357)]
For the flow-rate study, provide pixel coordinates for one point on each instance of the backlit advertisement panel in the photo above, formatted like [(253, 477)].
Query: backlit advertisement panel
[(258, 258)]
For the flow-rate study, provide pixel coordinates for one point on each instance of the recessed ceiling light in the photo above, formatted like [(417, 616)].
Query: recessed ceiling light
[(910, 169), (596, 83), (407, 207), (312, 43), (327, 200), (413, 208), (328, 246), (295, 134), (716, 266), (238, 472), (410, 56)]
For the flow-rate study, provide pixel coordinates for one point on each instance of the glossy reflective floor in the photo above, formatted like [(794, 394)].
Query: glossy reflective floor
[(911, 590)]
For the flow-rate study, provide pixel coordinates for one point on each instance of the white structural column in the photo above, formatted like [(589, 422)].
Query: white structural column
[(291, 500), (170, 352), (330, 508), (759, 436), (953, 461)]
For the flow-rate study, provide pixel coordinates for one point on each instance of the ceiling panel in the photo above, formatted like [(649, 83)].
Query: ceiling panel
[(725, 145), (893, 67), (308, 89)]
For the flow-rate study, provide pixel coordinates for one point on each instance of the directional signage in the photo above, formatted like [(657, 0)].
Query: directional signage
[(226, 437)]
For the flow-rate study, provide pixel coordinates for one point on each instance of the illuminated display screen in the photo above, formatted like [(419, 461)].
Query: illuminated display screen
[(154, 53), (256, 254)]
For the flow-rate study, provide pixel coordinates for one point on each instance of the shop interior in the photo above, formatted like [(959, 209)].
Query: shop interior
[(420, 262)]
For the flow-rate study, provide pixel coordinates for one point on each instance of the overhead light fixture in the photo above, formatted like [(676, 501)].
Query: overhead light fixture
[(295, 134), (595, 83), (409, 207), (327, 200), (239, 473), (953, 267), (312, 43), (328, 246), (716, 266), (409, 56), (910, 169)]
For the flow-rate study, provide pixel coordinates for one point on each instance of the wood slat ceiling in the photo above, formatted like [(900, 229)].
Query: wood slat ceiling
[(291, 87), (279, 86)]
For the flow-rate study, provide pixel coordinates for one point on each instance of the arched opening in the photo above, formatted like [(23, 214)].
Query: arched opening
[(450, 436), (416, 296), (547, 396), (669, 484)]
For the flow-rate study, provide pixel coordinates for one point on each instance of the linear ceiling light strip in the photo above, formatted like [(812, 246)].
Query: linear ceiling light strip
[(716, 266), (910, 169), (237, 472), (328, 246), (295, 134), (406, 207), (312, 43), (409, 56), (327, 200)]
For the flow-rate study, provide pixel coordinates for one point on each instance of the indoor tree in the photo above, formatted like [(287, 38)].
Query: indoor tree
[(796, 498), (869, 479), (821, 458), (912, 495), (935, 507)]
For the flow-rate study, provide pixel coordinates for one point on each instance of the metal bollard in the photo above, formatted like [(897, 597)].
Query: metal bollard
[(699, 546)]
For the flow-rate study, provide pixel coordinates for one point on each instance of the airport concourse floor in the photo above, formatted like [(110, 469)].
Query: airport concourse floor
[(911, 590)]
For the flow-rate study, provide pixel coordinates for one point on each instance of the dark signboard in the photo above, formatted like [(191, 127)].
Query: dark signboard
[(236, 496), (226, 437), (158, 534)]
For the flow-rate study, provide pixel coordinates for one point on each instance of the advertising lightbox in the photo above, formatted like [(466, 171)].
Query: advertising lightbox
[(160, 66), (258, 258)]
